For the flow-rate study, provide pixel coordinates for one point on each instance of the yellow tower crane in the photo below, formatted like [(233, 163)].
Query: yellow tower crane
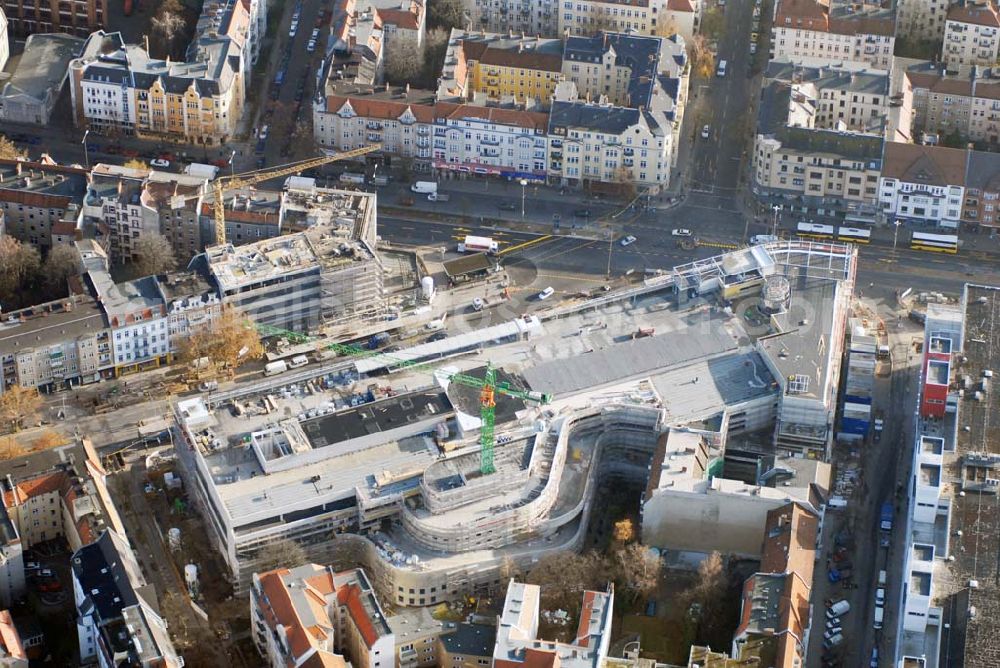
[(220, 185)]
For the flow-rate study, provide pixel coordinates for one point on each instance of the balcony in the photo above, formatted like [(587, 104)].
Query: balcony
[(423, 131)]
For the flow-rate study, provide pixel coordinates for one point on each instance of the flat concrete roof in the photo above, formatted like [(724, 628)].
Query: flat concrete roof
[(633, 358), (375, 417)]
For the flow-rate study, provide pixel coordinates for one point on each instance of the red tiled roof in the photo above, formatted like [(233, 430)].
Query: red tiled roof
[(43, 484), (984, 14), (351, 597), (399, 18), (680, 6)]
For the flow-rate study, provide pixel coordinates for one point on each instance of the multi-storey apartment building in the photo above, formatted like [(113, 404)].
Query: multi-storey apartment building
[(819, 145), (934, 102), (35, 197), (137, 316), (530, 17), (971, 35), (589, 17), (982, 189), (33, 88), (191, 302), (119, 88), (834, 31), (61, 343), (493, 67), (923, 184), (634, 113), (81, 17), (116, 617)]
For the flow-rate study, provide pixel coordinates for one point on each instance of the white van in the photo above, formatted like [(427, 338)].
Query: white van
[(838, 609), (298, 361), (425, 187), (833, 641), (721, 71), (882, 578), (879, 616)]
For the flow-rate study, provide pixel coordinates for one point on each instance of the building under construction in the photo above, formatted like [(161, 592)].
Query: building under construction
[(328, 270)]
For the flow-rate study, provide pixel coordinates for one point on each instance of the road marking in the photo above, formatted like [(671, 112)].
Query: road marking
[(526, 244)]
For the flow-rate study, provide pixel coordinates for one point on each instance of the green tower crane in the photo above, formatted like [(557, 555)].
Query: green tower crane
[(488, 386)]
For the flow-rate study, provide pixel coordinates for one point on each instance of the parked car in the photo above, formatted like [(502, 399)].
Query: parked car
[(507, 206), (437, 336), (680, 232), (706, 132), (45, 573), (159, 162), (263, 132), (31, 566), (546, 293), (477, 304), (627, 241)]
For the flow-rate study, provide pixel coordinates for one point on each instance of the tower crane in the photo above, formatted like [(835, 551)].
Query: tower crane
[(224, 183), (488, 386)]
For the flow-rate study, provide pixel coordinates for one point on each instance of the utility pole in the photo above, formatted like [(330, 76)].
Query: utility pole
[(86, 154), (524, 191)]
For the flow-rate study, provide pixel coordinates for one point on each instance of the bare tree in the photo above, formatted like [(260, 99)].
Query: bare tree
[(403, 62), (168, 26), (153, 254), (435, 49), (446, 14), (63, 261), (10, 448), (564, 576), (19, 265), (636, 571), (9, 149), (19, 405), (48, 439), (282, 553), (709, 590), (228, 341), (702, 57)]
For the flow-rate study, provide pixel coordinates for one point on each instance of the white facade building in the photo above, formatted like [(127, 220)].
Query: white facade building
[(923, 184), (834, 31), (971, 35)]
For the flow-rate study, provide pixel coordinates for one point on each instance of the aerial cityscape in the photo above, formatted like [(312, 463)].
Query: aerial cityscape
[(508, 333)]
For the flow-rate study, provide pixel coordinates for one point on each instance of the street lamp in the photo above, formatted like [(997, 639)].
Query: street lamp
[(895, 233), (524, 192), (86, 155), (774, 229), (231, 168)]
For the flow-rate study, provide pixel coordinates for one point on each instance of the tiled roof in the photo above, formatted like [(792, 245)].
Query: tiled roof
[(931, 165), (351, 597), (983, 14), (680, 6)]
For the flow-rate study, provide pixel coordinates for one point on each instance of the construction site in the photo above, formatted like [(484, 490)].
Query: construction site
[(432, 474)]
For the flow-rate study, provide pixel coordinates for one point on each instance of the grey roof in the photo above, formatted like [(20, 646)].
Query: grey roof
[(801, 347), (632, 359), (601, 118), (471, 639), (43, 65), (212, 65), (638, 53), (983, 171), (837, 76), (119, 299), (773, 116), (101, 571), (374, 418), (50, 324)]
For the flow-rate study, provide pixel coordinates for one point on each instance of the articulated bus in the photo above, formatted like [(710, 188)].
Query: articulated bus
[(856, 235), (936, 243), (814, 231)]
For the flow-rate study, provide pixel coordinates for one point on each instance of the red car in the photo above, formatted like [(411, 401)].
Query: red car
[(50, 585), (166, 156), (130, 153)]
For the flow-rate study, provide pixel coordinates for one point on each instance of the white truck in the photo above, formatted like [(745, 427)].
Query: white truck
[(274, 368), (438, 197), (473, 244), (425, 187)]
